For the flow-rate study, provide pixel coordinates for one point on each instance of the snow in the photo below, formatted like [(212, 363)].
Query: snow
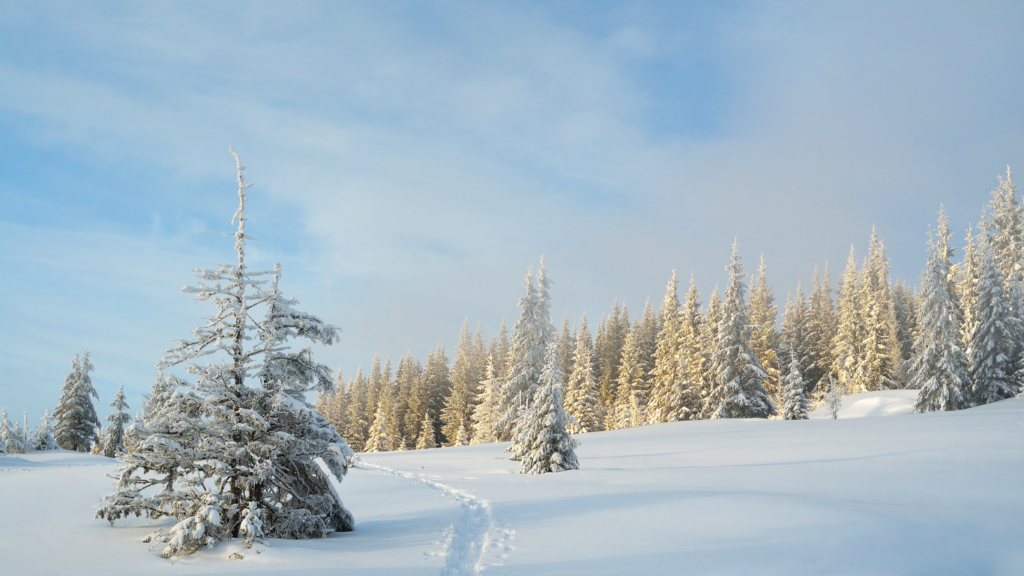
[(881, 403), (929, 493)]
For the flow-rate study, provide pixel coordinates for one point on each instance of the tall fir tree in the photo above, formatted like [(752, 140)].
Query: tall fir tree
[(764, 331), (850, 334), (611, 337), (630, 399), (114, 436), (820, 330), (794, 389), (879, 354), (76, 417), (458, 408), (795, 330), (711, 324), (939, 366), (669, 378), (1005, 230), (566, 346), (426, 439), (739, 391), (581, 401), (990, 345), (694, 356), (437, 384), (485, 414)]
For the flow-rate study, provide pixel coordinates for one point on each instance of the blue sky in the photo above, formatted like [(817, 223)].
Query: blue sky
[(412, 159)]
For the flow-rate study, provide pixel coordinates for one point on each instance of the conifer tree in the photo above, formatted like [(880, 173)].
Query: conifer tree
[(990, 346), (485, 415), (631, 400), (694, 357), (566, 346), (373, 388), (458, 408), (939, 365), (358, 429), (239, 450), (669, 379), (76, 417), (426, 439), (412, 399), (794, 390), (437, 383), (850, 332), (42, 436), (879, 356), (1005, 231), (531, 336), (114, 437), (764, 332), (711, 324), (833, 398), (965, 283), (795, 321), (12, 438), (382, 432), (608, 344), (544, 444), (739, 391), (820, 331), (581, 398)]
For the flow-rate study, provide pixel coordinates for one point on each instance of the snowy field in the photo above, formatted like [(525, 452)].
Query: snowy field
[(901, 494)]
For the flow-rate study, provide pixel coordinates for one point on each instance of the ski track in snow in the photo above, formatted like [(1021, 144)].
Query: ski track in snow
[(470, 538)]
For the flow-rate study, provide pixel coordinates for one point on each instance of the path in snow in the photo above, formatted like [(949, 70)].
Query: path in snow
[(469, 539)]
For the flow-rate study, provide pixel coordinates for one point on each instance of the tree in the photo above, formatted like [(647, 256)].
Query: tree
[(13, 438), (384, 435), (795, 337), (581, 398), (710, 324), (545, 444), (566, 345), (42, 436), (1005, 230), (694, 357), (820, 331), (990, 347), (426, 439), (849, 336), (76, 415), (238, 451), (794, 390), (939, 365), (740, 391), (631, 398), (666, 386), (608, 343), (114, 436), (879, 356), (833, 398), (764, 332), (485, 415), (531, 335), (465, 377)]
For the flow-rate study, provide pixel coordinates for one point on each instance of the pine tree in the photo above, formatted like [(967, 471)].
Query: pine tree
[(544, 443), (966, 275), (877, 369), (849, 337), (631, 400), (437, 384), (77, 421), (669, 376), (694, 357), (12, 437), (1005, 230), (239, 450), (740, 391), (426, 439), (794, 390), (710, 324), (42, 436), (581, 398), (608, 344), (413, 397), (358, 429), (764, 332), (485, 415), (939, 365), (833, 398), (531, 335), (990, 345), (795, 337), (114, 436), (458, 408), (382, 438), (820, 331), (566, 346)]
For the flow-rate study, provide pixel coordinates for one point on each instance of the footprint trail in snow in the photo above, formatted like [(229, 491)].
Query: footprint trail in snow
[(470, 538)]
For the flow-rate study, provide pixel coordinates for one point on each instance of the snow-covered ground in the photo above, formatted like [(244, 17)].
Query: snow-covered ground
[(912, 494), (883, 403)]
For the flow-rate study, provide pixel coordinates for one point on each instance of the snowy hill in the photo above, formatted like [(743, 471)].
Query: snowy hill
[(882, 403), (918, 494)]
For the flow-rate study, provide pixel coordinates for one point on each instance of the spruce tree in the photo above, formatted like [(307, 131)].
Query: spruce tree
[(795, 337), (740, 390), (76, 417), (1005, 231), (426, 439), (544, 444), (566, 345), (113, 445), (820, 331), (608, 344), (437, 384), (794, 390), (764, 332), (879, 356), (833, 398), (710, 324), (458, 408), (990, 346), (849, 337), (939, 365), (239, 451), (581, 397), (694, 357), (42, 436), (669, 379), (631, 397), (485, 414)]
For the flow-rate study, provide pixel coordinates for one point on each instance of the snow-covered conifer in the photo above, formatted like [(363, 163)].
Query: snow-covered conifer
[(820, 330), (384, 431), (990, 347), (794, 390), (426, 439), (12, 436), (666, 387), (711, 323), (739, 391), (77, 421), (581, 399), (546, 445), (631, 398), (694, 356), (879, 354), (42, 436), (566, 345), (764, 332), (113, 442), (240, 440), (939, 366), (833, 398), (849, 336), (485, 415), (458, 406)]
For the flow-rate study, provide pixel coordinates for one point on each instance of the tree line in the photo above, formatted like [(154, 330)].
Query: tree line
[(958, 336)]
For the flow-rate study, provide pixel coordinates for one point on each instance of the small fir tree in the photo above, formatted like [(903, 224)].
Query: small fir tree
[(833, 398), (546, 445), (113, 444), (990, 348), (426, 439), (42, 436), (77, 422), (794, 390)]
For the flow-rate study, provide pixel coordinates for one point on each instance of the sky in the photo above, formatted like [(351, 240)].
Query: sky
[(413, 159)]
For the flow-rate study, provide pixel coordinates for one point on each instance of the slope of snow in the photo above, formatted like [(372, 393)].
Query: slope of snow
[(919, 494), (881, 403)]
